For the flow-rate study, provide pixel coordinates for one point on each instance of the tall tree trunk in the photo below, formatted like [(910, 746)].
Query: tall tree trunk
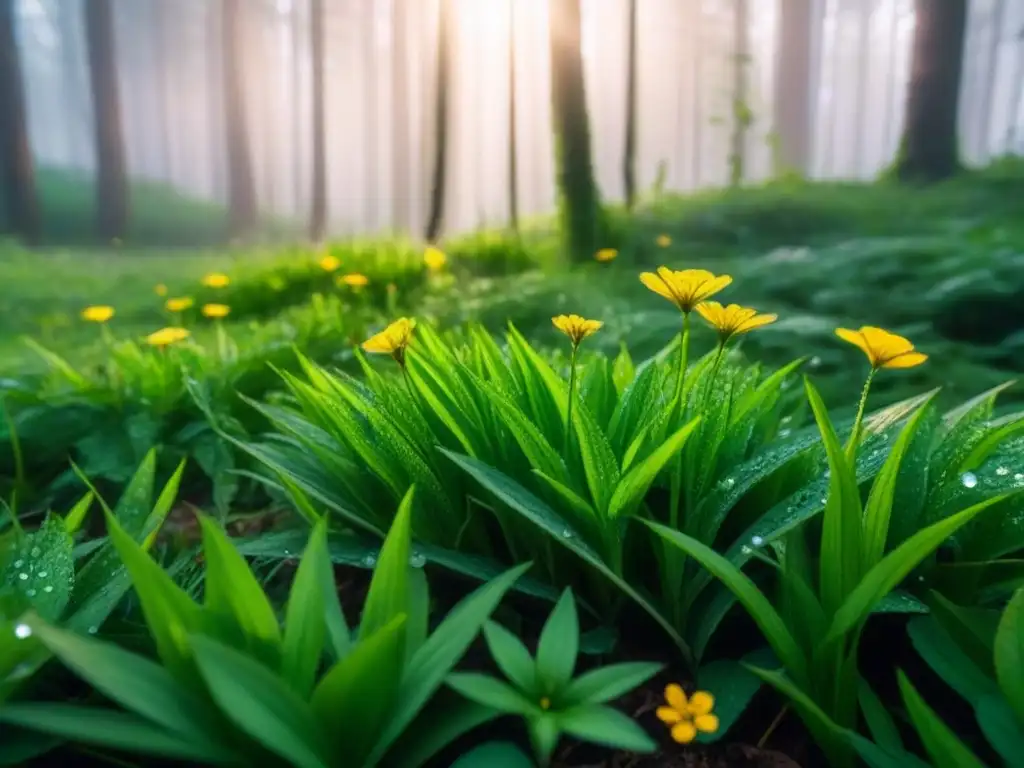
[(513, 151), (928, 151), (997, 23), (111, 179), (318, 214), (793, 96), (444, 65), (629, 151), (579, 202), (741, 115), (16, 168), (241, 187)]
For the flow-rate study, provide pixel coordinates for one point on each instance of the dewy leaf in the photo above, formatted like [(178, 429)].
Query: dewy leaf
[(631, 489), (388, 595), (305, 628), (599, 462), (558, 646), (1009, 653), (42, 569)]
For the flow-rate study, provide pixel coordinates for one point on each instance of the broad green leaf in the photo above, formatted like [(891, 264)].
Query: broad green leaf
[(73, 520), (246, 619), (1009, 653), (757, 605), (941, 744), (972, 629), (623, 371), (42, 568), (841, 532), (388, 595), (531, 440), (111, 729), (260, 704), (1002, 727), (305, 628), (544, 734), (449, 717), (895, 566), (607, 683), (880, 723), (558, 646), (599, 462), (491, 692), (876, 757), (603, 725), (733, 685), (512, 657), (948, 659), (494, 754), (419, 612), (633, 487)]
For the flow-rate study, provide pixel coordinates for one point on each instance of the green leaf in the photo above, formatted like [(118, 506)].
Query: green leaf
[(941, 744), (599, 462), (733, 685), (558, 646), (841, 532), (878, 510), (541, 455), (972, 629), (234, 596), (607, 683), (42, 570), (1009, 653), (895, 566), (136, 683), (449, 717), (877, 757), (354, 700), (879, 721), (388, 596), (512, 657), (1001, 727), (491, 692), (544, 735), (948, 659), (73, 520), (260, 704), (305, 628), (111, 729), (746, 592), (494, 754), (632, 488), (604, 725), (623, 371)]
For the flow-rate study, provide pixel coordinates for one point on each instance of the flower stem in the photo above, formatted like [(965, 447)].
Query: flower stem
[(684, 353), (851, 447), (572, 396)]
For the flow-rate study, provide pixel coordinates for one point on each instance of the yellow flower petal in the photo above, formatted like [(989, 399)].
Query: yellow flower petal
[(731, 320), (675, 697), (354, 280), (393, 340), (685, 288), (701, 703), (329, 263), (668, 715), (216, 310), (575, 327), (216, 280), (606, 254), (166, 336), (907, 360), (664, 241), (179, 304), (97, 314), (706, 723), (883, 349), (656, 284), (684, 732), (434, 258), (756, 322)]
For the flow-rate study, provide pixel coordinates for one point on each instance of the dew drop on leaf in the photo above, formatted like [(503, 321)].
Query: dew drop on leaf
[(21, 631), (417, 560), (1002, 471), (746, 550), (93, 630), (566, 533), (23, 576), (48, 588), (757, 541), (369, 561), (18, 563), (42, 574), (969, 479), (30, 592)]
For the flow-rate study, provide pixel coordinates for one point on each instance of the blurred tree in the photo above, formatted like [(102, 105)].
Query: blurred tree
[(16, 168), (629, 151), (513, 151), (444, 65), (793, 96), (579, 203), (318, 215), (241, 190), (401, 161), (741, 113), (111, 176), (928, 150)]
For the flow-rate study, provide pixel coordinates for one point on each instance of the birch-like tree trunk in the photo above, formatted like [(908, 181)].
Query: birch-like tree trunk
[(318, 208), (242, 213)]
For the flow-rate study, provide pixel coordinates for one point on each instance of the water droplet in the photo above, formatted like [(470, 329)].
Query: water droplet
[(1002, 471), (815, 361), (969, 479), (417, 560), (728, 482), (30, 592), (42, 574), (21, 631), (93, 630), (23, 576), (287, 553), (18, 563), (824, 500), (757, 541), (828, 473), (36, 552), (47, 588), (785, 432), (1019, 477), (370, 560), (566, 533), (746, 550)]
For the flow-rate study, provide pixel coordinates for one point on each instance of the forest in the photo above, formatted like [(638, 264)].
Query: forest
[(512, 383)]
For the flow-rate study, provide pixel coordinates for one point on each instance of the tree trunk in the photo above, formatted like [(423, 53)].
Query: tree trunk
[(513, 151), (629, 151), (741, 115), (793, 96), (928, 150), (16, 171), (997, 23), (241, 190), (318, 214), (579, 204), (444, 56), (111, 179)]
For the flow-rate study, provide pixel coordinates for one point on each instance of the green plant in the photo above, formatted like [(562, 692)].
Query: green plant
[(233, 686), (823, 605), (542, 689)]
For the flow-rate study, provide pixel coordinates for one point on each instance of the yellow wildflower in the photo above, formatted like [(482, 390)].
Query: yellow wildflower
[(354, 280), (216, 280), (605, 255), (685, 288), (166, 336), (884, 349), (329, 263), (392, 340), (179, 304), (732, 320), (98, 314), (687, 716), (663, 241), (216, 310), (434, 258), (160, 289), (576, 327)]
